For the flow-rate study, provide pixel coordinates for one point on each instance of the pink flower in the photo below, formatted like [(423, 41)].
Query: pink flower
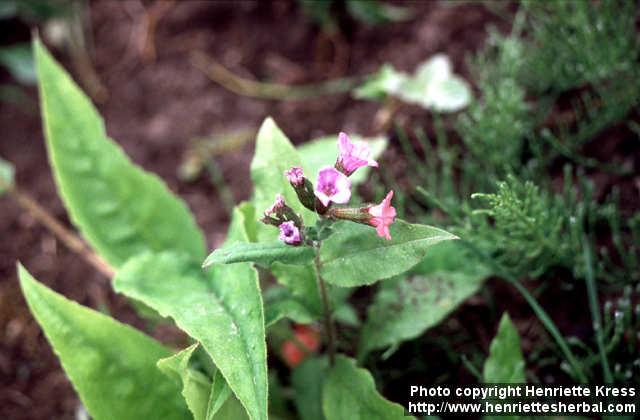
[(382, 216), (332, 185), (353, 155), (295, 175), (277, 205), (289, 233)]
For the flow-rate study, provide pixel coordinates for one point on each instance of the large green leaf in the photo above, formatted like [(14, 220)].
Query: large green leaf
[(264, 253), (196, 387), (221, 308), (350, 393), (111, 365), (118, 207), (273, 156), (407, 306), (307, 380), (324, 151), (354, 255), (505, 363)]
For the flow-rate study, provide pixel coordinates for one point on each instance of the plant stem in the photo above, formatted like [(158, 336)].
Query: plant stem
[(328, 322), (595, 310), (67, 237)]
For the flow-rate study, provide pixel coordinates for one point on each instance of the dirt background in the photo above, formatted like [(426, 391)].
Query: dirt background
[(156, 106)]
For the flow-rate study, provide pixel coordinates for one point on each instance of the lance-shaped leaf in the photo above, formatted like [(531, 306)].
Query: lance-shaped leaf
[(407, 306), (354, 255), (196, 387), (111, 365), (119, 208), (264, 253), (221, 308), (350, 393), (505, 363)]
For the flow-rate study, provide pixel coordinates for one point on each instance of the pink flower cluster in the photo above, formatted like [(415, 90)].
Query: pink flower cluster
[(332, 186)]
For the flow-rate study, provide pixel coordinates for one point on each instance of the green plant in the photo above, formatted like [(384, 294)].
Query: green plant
[(149, 238)]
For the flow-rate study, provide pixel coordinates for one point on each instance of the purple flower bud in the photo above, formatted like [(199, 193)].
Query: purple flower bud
[(332, 185), (295, 176), (353, 155), (289, 233), (278, 204)]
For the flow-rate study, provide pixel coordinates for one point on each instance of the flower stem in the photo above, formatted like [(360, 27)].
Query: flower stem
[(328, 322)]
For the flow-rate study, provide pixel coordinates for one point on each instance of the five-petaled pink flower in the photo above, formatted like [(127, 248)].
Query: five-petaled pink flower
[(332, 185), (382, 216), (277, 205), (289, 233), (295, 175), (353, 155)]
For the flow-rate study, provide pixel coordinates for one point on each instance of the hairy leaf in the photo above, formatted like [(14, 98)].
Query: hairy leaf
[(264, 253), (505, 363), (350, 393), (111, 365), (279, 304), (406, 307), (307, 380), (221, 308), (121, 209), (354, 255), (196, 387), (220, 394)]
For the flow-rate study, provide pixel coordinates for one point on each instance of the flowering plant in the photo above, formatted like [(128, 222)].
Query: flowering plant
[(147, 240)]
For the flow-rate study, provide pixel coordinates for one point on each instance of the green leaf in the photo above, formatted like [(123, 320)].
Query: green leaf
[(300, 280), (354, 255), (264, 253), (18, 59), (196, 386), (121, 209), (221, 308), (434, 86), (505, 363), (405, 307), (350, 393), (220, 394), (274, 154), (280, 304), (387, 80), (111, 365), (7, 173), (307, 380), (324, 151)]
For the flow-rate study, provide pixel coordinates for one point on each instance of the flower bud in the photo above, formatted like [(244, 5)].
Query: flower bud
[(380, 216), (302, 187)]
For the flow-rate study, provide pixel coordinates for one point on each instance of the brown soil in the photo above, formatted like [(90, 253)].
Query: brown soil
[(155, 106)]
